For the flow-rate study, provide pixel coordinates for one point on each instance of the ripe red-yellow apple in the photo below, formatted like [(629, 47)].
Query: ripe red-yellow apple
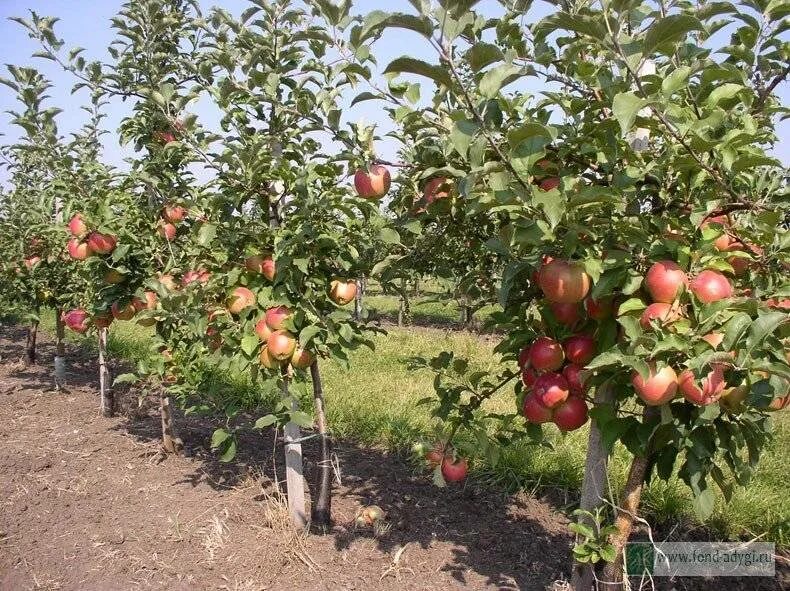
[(580, 349), (262, 330), (123, 311), (277, 316), (281, 345), (564, 282), (711, 286), (77, 320), (566, 314), (167, 231), (342, 292), (372, 183), (31, 262), (665, 281), (101, 243), (261, 264), (546, 354), (664, 314), (454, 471), (551, 389), (571, 414), (435, 189), (528, 377), (78, 250), (660, 386), (302, 358), (164, 137), (240, 299), (435, 455), (77, 226), (267, 360), (173, 213), (707, 391), (779, 404), (534, 410), (195, 276)]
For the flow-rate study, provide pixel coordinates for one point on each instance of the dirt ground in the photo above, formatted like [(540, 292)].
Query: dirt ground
[(89, 503)]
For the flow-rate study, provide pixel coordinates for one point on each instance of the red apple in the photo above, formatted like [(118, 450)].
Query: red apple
[(240, 299), (779, 404), (546, 354), (706, 392), (281, 345), (528, 377), (167, 231), (659, 388), (101, 243), (435, 455), (435, 189), (571, 414), (77, 226), (566, 314), (551, 389), (573, 374), (173, 213), (564, 282), (663, 313), (599, 309), (123, 311), (164, 137), (523, 357), (342, 292), (302, 358), (102, 320), (267, 360), (31, 262), (277, 317), (261, 264), (665, 281), (372, 183), (711, 286), (534, 410), (79, 250), (454, 471), (76, 320), (580, 349), (549, 183), (196, 275), (262, 330)]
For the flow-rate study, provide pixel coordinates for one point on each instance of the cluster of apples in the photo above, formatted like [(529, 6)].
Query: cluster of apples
[(552, 371), (454, 467), (85, 243), (79, 320), (665, 282), (279, 345), (171, 216)]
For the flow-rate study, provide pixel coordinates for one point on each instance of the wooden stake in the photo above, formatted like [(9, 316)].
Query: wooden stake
[(322, 505), (30, 346), (294, 472), (60, 351), (107, 400), (170, 440), (594, 487)]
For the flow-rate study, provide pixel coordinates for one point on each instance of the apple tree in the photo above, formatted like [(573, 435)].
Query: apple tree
[(644, 233)]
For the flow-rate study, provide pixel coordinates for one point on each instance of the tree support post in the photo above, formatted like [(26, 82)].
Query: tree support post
[(322, 506), (107, 399), (60, 351), (170, 441), (30, 345), (294, 471)]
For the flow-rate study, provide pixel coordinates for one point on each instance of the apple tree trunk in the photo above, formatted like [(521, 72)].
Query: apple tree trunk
[(30, 345), (107, 399), (170, 441), (322, 506)]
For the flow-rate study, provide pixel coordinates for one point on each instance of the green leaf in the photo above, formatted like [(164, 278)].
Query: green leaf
[(125, 378), (301, 418), (704, 503), (461, 135), (229, 453), (723, 92), (249, 344), (526, 131), (410, 65), (493, 80), (265, 421), (483, 54), (675, 81), (734, 330), (206, 234), (378, 20), (218, 438), (625, 107), (307, 334), (364, 96), (764, 326), (389, 236), (669, 30)]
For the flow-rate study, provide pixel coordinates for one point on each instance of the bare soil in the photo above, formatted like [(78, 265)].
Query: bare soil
[(92, 504)]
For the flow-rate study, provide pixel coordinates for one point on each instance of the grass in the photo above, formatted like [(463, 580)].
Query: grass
[(374, 404)]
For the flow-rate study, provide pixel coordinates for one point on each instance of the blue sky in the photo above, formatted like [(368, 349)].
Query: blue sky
[(86, 23)]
